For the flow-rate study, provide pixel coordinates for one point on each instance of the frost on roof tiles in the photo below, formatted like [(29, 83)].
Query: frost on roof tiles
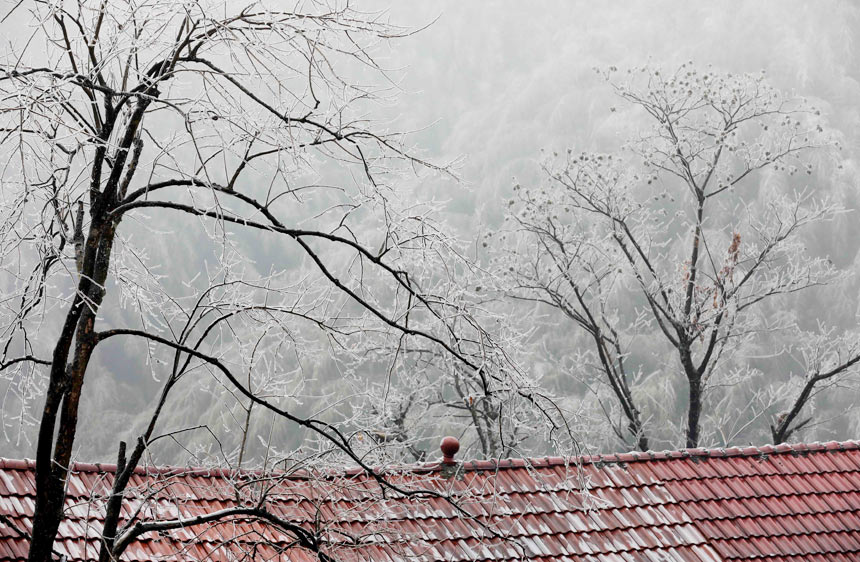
[(774, 504)]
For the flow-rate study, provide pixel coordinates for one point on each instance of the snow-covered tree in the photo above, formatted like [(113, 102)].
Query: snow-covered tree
[(686, 246), (199, 188)]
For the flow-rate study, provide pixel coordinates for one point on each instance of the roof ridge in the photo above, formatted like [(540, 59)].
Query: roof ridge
[(493, 464), (640, 456)]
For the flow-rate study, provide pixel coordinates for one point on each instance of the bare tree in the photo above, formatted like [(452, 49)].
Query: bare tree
[(201, 181), (685, 245)]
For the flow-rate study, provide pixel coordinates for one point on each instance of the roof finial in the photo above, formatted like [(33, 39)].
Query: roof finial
[(450, 446)]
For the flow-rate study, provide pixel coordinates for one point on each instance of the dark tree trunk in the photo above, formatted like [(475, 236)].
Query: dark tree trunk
[(642, 443), (56, 441), (694, 382), (694, 411), (63, 398)]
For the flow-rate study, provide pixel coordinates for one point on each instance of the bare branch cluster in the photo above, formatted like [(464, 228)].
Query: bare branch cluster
[(201, 186), (680, 243)]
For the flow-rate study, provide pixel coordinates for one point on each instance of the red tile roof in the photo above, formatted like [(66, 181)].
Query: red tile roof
[(783, 503)]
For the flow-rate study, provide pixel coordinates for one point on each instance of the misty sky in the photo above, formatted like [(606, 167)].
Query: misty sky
[(499, 81)]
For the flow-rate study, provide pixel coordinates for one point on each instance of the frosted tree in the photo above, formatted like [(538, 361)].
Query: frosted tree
[(687, 244), (203, 182)]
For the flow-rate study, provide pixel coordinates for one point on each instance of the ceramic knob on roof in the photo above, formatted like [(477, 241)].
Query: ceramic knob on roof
[(450, 446)]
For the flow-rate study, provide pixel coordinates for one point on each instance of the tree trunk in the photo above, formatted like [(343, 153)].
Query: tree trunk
[(642, 442), (64, 392), (694, 411)]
